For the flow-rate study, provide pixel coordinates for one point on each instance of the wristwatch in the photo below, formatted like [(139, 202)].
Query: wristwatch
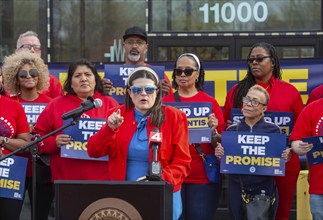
[(5, 140)]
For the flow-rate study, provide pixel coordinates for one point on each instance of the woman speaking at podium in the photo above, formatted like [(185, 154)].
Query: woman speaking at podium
[(126, 134)]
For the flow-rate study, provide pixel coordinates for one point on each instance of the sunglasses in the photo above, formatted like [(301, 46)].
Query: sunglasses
[(254, 102), (187, 71), (138, 43), (33, 73), (257, 59), (137, 90)]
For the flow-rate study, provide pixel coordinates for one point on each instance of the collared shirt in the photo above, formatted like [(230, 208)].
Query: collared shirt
[(138, 153)]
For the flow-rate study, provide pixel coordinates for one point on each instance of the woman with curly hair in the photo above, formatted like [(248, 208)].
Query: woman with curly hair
[(1, 84), (25, 77)]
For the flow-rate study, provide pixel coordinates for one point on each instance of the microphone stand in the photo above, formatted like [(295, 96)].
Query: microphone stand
[(32, 146)]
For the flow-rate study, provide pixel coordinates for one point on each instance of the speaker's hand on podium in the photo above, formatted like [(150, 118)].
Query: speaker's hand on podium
[(142, 179)]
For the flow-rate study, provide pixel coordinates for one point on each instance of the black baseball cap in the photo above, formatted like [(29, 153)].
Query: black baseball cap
[(135, 31)]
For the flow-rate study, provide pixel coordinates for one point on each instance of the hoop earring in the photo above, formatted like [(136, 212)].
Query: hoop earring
[(197, 79)]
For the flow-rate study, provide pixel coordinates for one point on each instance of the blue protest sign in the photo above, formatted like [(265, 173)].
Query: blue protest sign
[(118, 74), (197, 115), (80, 133), (315, 155), (12, 177), (253, 153), (282, 119), (33, 111)]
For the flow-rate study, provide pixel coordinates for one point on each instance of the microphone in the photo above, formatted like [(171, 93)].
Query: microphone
[(155, 139), (87, 105)]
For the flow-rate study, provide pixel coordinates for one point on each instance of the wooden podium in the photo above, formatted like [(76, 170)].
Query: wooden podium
[(113, 200)]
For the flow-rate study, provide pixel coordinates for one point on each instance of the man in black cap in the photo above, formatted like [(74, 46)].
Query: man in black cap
[(136, 47), (135, 44)]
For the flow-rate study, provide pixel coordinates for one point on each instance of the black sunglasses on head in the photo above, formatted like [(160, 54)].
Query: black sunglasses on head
[(257, 59), (33, 73), (187, 71)]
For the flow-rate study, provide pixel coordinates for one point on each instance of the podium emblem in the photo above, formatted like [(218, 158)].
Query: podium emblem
[(110, 208)]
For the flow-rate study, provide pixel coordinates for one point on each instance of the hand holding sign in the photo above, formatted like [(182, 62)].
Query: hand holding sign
[(107, 85), (287, 154), (63, 139), (219, 151), (301, 148), (229, 123), (115, 120), (213, 123), (165, 87)]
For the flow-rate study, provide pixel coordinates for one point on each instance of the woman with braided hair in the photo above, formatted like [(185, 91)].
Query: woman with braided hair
[(264, 70)]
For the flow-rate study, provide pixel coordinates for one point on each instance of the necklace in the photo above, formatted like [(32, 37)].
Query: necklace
[(264, 85)]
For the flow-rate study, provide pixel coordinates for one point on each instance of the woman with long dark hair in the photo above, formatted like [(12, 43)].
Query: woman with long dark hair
[(124, 138), (200, 196), (82, 81)]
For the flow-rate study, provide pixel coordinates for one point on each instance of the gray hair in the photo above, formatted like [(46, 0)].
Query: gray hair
[(262, 90), (26, 34)]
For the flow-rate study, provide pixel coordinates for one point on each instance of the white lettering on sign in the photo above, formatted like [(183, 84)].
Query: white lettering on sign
[(252, 139), (91, 125)]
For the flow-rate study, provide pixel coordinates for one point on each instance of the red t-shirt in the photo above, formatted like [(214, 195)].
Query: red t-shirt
[(198, 175), (13, 120), (315, 94), (55, 88), (40, 99), (310, 123)]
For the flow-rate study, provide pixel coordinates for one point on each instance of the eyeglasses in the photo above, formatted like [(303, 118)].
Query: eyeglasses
[(187, 71), (257, 59), (254, 102), (29, 46), (137, 90), (33, 73), (137, 42)]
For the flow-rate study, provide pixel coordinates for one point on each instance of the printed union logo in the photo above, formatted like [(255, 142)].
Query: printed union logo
[(252, 169), (277, 171), (205, 139), (17, 195)]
